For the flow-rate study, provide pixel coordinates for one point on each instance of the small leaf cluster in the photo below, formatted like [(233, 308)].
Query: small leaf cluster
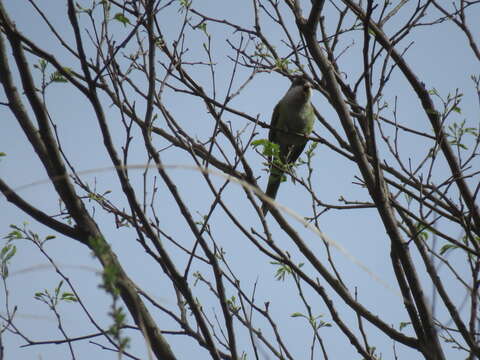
[(232, 304), (313, 320), (269, 149), (283, 270), (119, 316), (272, 151), (54, 77), (53, 299), (457, 131), (23, 233)]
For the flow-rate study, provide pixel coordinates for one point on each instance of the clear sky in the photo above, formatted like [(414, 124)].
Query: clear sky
[(441, 59)]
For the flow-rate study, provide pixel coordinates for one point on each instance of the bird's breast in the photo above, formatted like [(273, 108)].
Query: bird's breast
[(298, 121)]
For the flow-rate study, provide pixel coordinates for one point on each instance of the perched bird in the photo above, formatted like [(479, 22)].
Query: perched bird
[(292, 120)]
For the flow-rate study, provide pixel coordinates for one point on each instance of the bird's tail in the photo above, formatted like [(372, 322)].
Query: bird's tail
[(272, 188)]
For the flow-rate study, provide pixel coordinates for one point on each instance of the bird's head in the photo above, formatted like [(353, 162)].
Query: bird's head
[(300, 90)]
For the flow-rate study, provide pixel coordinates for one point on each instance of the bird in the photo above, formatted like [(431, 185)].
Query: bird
[(291, 123)]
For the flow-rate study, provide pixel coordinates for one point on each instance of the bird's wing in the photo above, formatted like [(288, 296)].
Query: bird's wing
[(293, 152), (272, 135)]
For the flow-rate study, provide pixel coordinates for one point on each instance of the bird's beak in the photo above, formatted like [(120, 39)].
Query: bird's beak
[(307, 86)]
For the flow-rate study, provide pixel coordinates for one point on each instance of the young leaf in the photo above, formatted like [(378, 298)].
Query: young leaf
[(122, 18), (447, 247), (297, 314)]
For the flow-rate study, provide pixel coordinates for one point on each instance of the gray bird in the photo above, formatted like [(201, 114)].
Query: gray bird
[(292, 120)]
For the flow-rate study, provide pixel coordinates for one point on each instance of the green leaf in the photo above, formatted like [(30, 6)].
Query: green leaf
[(456, 143), (323, 324), (67, 296), (122, 18), (8, 252), (4, 251), (269, 148), (42, 65), (259, 142), (185, 3), (58, 77), (15, 234), (404, 324), (282, 64), (297, 314), (203, 27), (282, 271), (447, 247), (457, 109)]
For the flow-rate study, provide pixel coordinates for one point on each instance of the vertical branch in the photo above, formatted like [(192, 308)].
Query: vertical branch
[(432, 348)]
